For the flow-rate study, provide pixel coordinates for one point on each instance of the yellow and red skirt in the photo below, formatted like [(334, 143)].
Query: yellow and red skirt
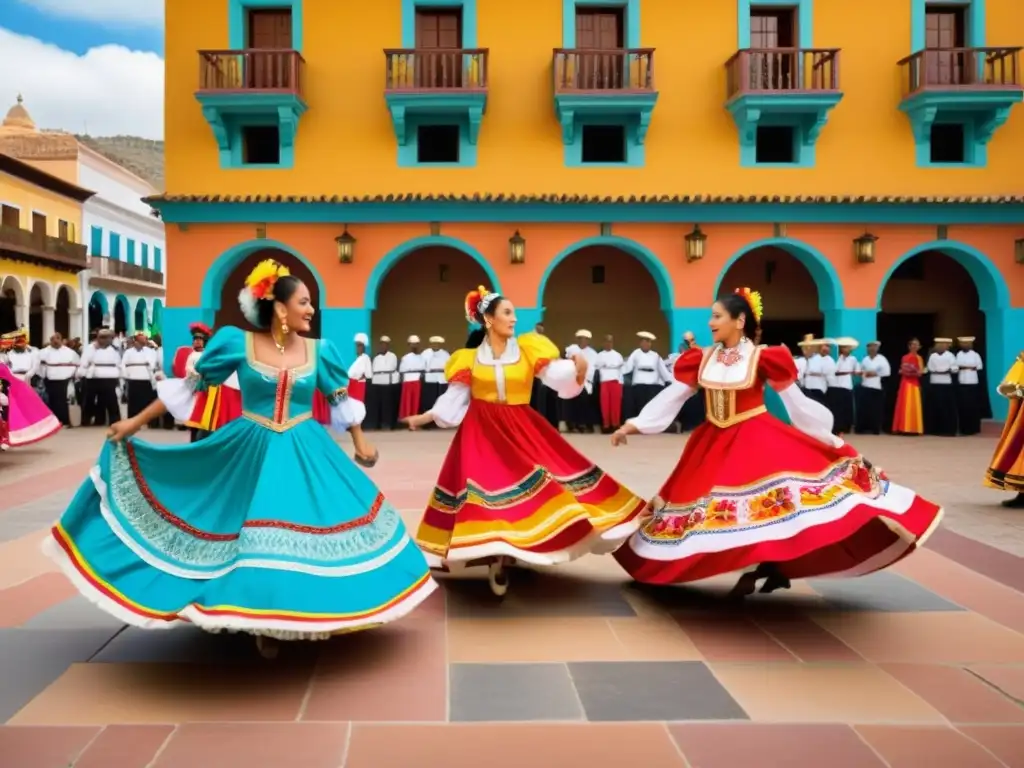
[(511, 486), (909, 416), (1006, 470), (214, 408)]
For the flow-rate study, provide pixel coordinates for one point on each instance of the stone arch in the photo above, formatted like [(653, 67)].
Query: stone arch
[(624, 262), (423, 295), (158, 316), (993, 292), (99, 310), (122, 314), (12, 297), (141, 314)]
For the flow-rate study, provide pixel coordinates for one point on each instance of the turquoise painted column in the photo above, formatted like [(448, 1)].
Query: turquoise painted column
[(527, 318), (174, 330), (861, 324), (685, 319), (1004, 331), (341, 324)]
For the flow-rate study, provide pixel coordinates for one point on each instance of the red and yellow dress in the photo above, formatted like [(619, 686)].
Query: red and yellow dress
[(1006, 470), (216, 405), (511, 486), (751, 490), (909, 416)]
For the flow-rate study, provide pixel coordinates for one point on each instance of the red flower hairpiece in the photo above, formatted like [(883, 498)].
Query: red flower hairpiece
[(754, 300), (472, 305)]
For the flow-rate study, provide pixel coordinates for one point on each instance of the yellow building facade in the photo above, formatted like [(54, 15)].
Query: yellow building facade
[(613, 163)]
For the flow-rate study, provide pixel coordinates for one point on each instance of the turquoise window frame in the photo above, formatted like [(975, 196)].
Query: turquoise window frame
[(238, 15), (130, 251), (96, 241), (114, 243), (233, 158), (635, 155), (803, 156), (145, 255), (158, 259), (975, 152), (408, 152), (469, 20)]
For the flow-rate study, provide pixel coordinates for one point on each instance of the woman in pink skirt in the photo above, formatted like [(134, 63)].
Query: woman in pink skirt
[(24, 417)]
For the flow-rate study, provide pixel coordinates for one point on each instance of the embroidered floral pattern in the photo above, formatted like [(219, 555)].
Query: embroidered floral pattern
[(772, 501)]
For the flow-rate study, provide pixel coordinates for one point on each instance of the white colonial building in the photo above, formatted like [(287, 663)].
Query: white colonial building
[(123, 284)]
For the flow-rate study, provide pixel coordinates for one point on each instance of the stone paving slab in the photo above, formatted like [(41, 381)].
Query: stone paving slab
[(920, 665)]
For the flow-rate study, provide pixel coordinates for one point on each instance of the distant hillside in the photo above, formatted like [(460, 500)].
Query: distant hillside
[(143, 157)]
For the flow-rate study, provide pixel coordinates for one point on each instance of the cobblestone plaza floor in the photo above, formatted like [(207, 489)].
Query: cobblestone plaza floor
[(922, 665)]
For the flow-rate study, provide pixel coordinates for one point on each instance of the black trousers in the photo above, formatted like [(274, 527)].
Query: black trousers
[(940, 410), (639, 396), (817, 396), (583, 412), (140, 395), (103, 408), (57, 399), (968, 406), (870, 411), (544, 400), (840, 402), (430, 391), (382, 405)]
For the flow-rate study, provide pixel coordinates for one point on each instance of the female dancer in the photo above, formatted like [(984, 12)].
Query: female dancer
[(26, 418), (1006, 470), (265, 526), (511, 489), (794, 501), (909, 416)]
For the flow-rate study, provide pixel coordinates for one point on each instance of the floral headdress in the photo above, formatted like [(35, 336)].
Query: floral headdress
[(259, 285), (754, 300), (477, 303)]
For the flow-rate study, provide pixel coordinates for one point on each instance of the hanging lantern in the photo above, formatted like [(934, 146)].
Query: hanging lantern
[(346, 246), (695, 244), (864, 248), (517, 248)]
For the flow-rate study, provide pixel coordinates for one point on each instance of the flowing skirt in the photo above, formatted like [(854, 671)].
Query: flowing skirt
[(252, 530), (909, 416), (512, 486), (28, 419), (1006, 470), (763, 492)]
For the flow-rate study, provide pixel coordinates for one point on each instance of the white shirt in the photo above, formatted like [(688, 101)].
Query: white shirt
[(647, 368), (436, 360), (385, 369), (609, 365), (877, 365), (412, 366), (361, 368), (102, 363), (801, 370), (590, 355), (24, 363), (190, 363), (138, 364), (846, 369), (941, 366), (819, 369), (969, 363), (58, 364)]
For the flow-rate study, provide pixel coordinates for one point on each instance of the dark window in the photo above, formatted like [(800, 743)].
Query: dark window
[(604, 144), (775, 144), (442, 273), (597, 274), (10, 216), (911, 269), (261, 145), (947, 143), (437, 144)]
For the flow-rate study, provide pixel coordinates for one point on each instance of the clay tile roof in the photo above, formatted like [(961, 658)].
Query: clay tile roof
[(598, 199)]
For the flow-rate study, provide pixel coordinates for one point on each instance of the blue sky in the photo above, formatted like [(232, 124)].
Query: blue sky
[(77, 34)]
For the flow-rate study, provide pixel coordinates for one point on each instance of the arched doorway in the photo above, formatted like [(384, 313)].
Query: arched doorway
[(158, 317), (229, 313), (792, 300), (423, 294), (62, 312), (99, 311), (926, 295), (606, 290), (39, 298), (121, 311), (140, 315), (12, 295)]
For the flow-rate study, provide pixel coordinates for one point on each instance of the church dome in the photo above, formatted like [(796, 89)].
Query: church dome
[(19, 118)]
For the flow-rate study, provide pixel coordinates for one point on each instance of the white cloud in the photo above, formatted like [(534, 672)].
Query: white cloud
[(121, 13), (107, 91)]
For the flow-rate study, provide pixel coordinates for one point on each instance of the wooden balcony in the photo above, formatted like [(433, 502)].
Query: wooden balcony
[(435, 84), (251, 71), (433, 71), (603, 72), (104, 267), (783, 71), (961, 69), (52, 251)]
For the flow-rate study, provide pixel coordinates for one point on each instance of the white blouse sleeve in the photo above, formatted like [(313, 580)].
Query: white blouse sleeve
[(560, 375), (178, 396), (661, 411), (810, 417), (345, 412), (232, 381), (450, 408)]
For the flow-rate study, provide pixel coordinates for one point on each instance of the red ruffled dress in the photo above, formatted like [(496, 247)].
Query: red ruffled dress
[(751, 490), (511, 486)]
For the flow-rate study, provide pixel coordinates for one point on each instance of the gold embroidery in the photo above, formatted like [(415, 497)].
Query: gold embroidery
[(721, 408), (283, 426)]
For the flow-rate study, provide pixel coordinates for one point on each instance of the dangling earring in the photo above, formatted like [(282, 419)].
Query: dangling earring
[(284, 329)]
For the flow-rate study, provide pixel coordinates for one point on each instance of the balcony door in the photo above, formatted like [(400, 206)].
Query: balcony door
[(945, 29), (269, 29), (438, 48), (600, 36), (773, 59)]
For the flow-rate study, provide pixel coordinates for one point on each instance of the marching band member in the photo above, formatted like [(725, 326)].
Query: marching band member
[(968, 390), (101, 367), (361, 370), (138, 370), (582, 412), (940, 401), (840, 389), (57, 364), (383, 392), (871, 393), (650, 375)]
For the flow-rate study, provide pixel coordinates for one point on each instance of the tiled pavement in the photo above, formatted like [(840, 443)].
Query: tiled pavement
[(920, 666)]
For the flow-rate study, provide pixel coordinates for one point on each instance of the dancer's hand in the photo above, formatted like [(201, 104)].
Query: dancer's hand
[(119, 430), (581, 368), (415, 422), (618, 438)]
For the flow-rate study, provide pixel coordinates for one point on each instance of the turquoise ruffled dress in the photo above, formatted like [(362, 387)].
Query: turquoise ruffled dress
[(265, 527)]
